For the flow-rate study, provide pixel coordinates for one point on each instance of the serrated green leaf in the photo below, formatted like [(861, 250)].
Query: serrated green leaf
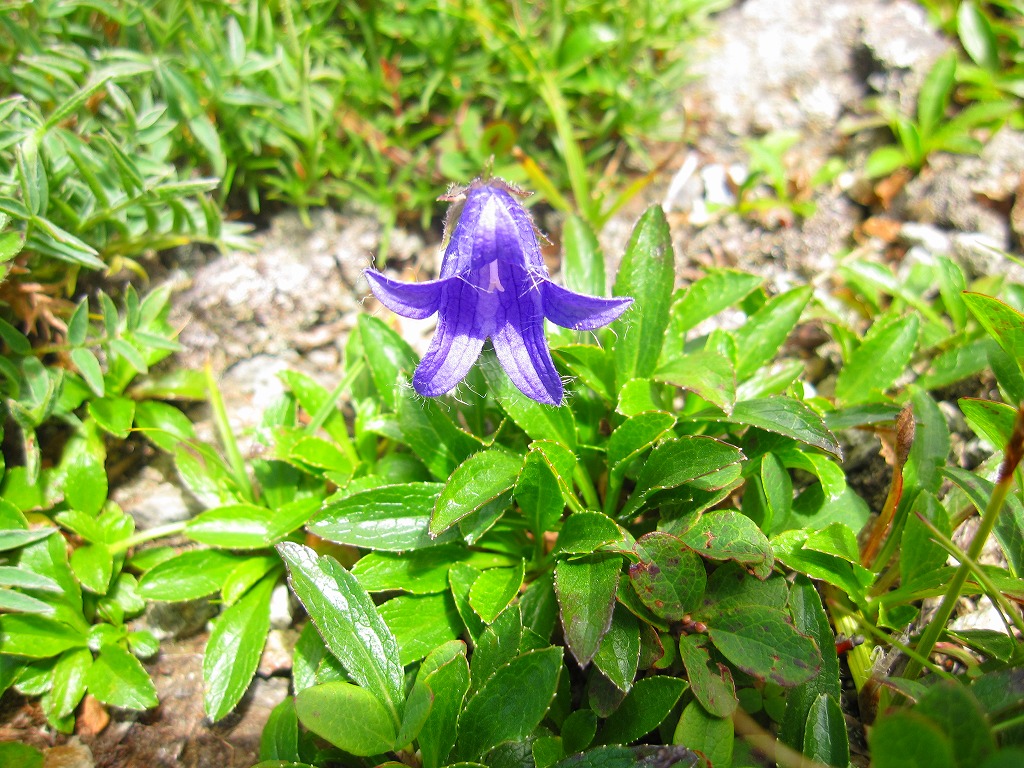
[(636, 434), (37, 637), (118, 679), (189, 575), (586, 599), (705, 733), (510, 704), (539, 494), (763, 642), (234, 649), (714, 689), (349, 623), (494, 589), (387, 355), (481, 478), (706, 373), (390, 518), (879, 360), (709, 295), (114, 415), (647, 275), (618, 656), (433, 436), (585, 531), (763, 334), (669, 577), (642, 710), (421, 623), (730, 535), (445, 673), (419, 572), (349, 717)]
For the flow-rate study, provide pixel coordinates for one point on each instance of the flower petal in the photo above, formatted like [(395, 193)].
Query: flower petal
[(461, 329), (413, 300), (577, 310), (492, 225), (519, 340)]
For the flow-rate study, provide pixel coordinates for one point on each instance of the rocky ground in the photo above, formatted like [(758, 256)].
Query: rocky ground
[(806, 66)]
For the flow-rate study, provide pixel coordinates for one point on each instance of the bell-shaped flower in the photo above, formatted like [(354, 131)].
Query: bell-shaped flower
[(493, 283)]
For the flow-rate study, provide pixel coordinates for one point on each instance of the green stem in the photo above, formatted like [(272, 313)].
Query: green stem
[(611, 496), (988, 521), (571, 153), (329, 406), (227, 437), (159, 532), (586, 486)]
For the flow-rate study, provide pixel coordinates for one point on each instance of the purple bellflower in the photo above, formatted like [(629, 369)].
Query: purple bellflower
[(493, 283)]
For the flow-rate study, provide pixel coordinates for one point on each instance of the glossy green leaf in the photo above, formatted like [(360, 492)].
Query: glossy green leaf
[(189, 575), (445, 673), (669, 577), (234, 649), (763, 642), (635, 435), (233, 526), (590, 364), (390, 518), (461, 577), (647, 275), (763, 334), (280, 737), (539, 493), (114, 414), (809, 618), (481, 478), (716, 290), (586, 590), (703, 732), (977, 36), (584, 531), (69, 681), (89, 366), (93, 565), (713, 686), (618, 656), (85, 481), (639, 396), (349, 623), (37, 637), (494, 589), (432, 435), (539, 422), (678, 461), (349, 717), (420, 572), (825, 736), (788, 417), (706, 373), (510, 704), (643, 709), (730, 535), (990, 420), (118, 679), (387, 355), (420, 623)]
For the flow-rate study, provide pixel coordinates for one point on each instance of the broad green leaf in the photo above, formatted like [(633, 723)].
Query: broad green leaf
[(234, 648), (387, 355), (420, 623), (706, 373), (432, 435), (1004, 323), (584, 531), (539, 605), (188, 576), (85, 480), (635, 435), (539, 422), (420, 572), (93, 565), (703, 732), (233, 526), (730, 535), (713, 292), (15, 539), (951, 705), (37, 637), (349, 623), (619, 653), (494, 589), (461, 577), (69, 681), (78, 324), (788, 417), (164, 424), (729, 587), (919, 553), (789, 549), (389, 518), (591, 364), (678, 461), (881, 358), (539, 494), (990, 420), (445, 673), (280, 737), (825, 736), (642, 710), (349, 717), (510, 704), (903, 739), (714, 689), (114, 414), (763, 642), (763, 334), (647, 275), (322, 454), (586, 590), (669, 577), (481, 478), (12, 576), (583, 261), (809, 618), (118, 679), (496, 646), (639, 396), (1009, 528)]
